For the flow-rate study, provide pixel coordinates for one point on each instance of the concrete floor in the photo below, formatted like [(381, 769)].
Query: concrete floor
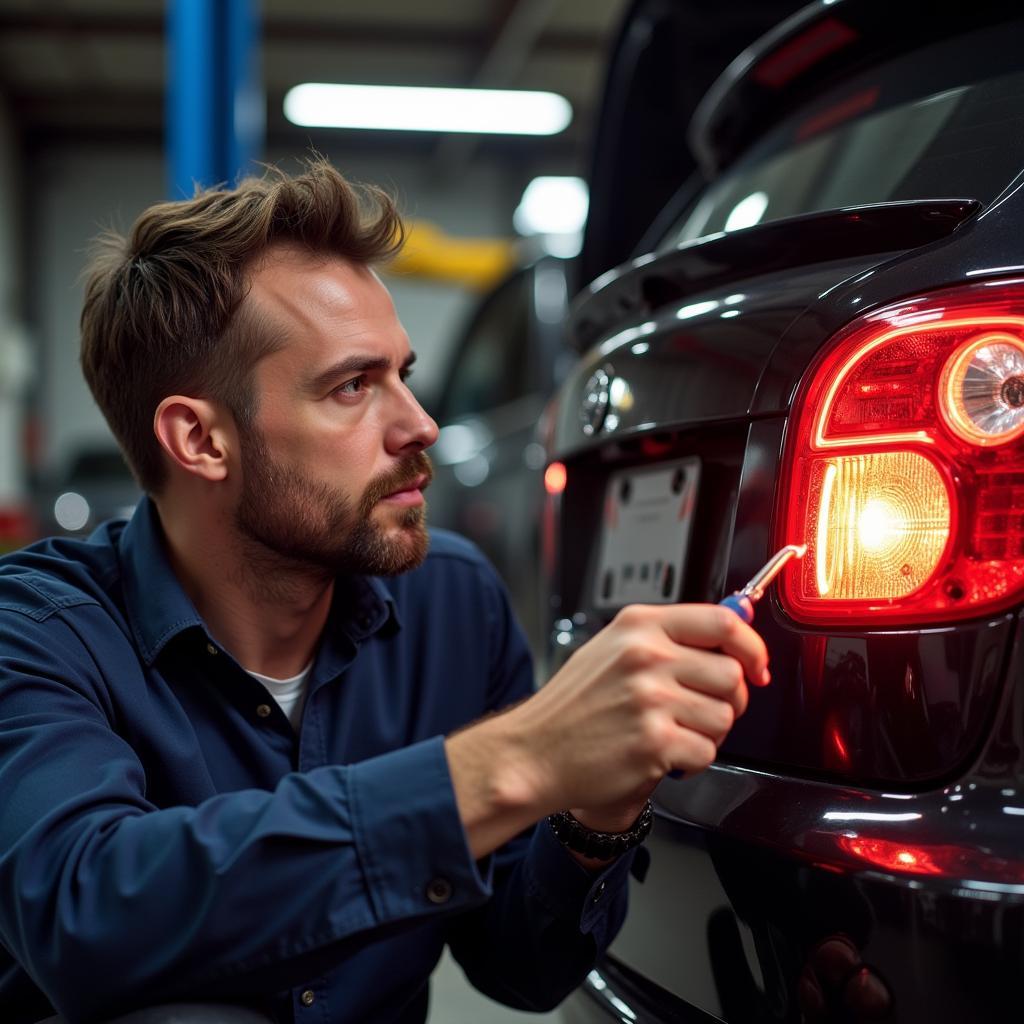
[(454, 1001)]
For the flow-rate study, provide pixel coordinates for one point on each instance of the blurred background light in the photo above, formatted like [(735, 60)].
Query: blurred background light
[(554, 207), (71, 511), (747, 212), (420, 109)]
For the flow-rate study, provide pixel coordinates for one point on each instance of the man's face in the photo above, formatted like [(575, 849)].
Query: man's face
[(334, 468)]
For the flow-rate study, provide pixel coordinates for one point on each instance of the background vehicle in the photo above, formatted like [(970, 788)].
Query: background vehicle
[(826, 345), (488, 459), (95, 485)]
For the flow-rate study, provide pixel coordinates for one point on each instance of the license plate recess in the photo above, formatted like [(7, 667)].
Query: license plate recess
[(645, 533)]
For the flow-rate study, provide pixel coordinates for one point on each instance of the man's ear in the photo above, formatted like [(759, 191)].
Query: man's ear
[(197, 434)]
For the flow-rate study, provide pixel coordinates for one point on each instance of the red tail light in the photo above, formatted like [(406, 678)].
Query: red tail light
[(904, 464), (555, 478)]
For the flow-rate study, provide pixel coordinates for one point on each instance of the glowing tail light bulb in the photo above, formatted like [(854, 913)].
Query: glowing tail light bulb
[(882, 525)]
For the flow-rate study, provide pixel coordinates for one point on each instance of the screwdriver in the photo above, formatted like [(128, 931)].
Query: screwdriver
[(742, 601)]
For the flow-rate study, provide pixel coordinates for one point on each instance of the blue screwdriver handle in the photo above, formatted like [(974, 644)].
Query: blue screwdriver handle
[(741, 605)]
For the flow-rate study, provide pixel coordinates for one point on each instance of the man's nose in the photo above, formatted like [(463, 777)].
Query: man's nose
[(413, 429)]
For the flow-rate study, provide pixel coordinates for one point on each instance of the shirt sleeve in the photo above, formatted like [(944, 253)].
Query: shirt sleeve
[(549, 918), (247, 893), (540, 934)]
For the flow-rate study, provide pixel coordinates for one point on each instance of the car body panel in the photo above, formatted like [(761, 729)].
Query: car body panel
[(750, 873), (870, 800)]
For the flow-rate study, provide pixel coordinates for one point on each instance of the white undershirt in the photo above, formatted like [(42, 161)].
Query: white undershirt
[(290, 694)]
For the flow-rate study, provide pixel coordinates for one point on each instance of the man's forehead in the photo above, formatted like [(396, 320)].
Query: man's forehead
[(284, 271), (323, 311), (298, 289)]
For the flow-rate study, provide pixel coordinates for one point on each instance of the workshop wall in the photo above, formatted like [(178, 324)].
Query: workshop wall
[(15, 357)]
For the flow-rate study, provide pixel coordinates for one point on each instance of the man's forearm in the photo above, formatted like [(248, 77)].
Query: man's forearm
[(495, 799), (656, 690)]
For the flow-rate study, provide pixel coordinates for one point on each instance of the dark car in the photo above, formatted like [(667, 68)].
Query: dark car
[(94, 485), (488, 459), (825, 346)]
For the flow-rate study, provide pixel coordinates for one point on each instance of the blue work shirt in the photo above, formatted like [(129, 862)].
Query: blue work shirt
[(165, 834)]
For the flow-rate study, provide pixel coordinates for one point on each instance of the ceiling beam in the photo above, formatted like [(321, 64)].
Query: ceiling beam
[(516, 29), (277, 28)]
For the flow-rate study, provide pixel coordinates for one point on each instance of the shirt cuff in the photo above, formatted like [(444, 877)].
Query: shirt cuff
[(409, 836), (568, 889)]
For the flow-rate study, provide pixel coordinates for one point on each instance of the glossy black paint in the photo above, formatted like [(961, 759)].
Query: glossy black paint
[(750, 872), (649, 282), (984, 249), (686, 364), (855, 854), (690, 353)]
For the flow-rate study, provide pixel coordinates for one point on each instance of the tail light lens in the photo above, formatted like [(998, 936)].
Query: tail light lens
[(904, 464)]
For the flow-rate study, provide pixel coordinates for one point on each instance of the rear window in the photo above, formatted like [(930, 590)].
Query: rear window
[(898, 132)]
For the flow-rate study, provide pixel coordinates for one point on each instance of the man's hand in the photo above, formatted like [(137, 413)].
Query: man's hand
[(658, 689)]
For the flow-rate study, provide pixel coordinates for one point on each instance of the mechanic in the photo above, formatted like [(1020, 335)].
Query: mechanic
[(259, 744)]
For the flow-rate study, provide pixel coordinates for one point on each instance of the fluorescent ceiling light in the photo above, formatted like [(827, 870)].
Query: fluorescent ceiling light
[(401, 108)]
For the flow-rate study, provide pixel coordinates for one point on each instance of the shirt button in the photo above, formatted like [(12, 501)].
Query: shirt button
[(263, 710), (210, 649), (598, 892), (307, 998), (439, 890)]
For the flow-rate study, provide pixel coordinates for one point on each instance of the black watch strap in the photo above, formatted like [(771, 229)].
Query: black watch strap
[(601, 845)]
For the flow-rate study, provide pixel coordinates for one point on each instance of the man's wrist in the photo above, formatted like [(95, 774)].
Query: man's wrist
[(598, 845), (610, 819)]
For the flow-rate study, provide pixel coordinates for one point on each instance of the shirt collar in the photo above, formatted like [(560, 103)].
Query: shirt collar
[(158, 609), (362, 606)]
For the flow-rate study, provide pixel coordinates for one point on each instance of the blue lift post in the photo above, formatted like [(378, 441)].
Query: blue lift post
[(215, 105)]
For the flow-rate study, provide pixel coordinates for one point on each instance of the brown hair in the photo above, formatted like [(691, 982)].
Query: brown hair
[(161, 314)]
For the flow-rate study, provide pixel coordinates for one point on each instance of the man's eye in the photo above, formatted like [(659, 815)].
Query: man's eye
[(351, 387)]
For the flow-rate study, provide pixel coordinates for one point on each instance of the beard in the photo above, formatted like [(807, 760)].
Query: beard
[(308, 524)]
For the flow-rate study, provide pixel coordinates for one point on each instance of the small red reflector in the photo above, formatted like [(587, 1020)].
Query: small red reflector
[(883, 853), (802, 52), (947, 860), (555, 478)]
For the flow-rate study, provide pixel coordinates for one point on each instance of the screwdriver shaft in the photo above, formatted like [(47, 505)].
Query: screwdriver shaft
[(761, 580)]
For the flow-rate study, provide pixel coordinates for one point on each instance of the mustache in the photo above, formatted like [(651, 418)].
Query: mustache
[(404, 475)]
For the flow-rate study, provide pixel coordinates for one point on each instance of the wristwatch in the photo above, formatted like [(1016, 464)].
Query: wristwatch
[(601, 845)]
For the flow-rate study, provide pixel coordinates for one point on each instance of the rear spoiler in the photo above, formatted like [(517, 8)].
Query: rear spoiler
[(635, 290)]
